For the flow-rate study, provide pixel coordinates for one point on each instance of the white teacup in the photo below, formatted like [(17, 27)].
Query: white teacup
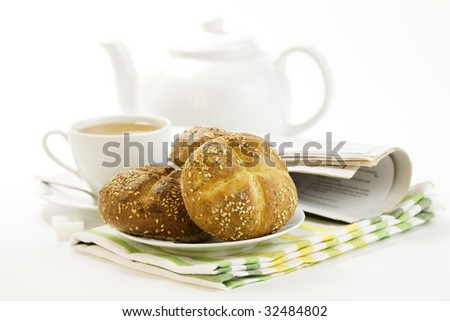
[(105, 146)]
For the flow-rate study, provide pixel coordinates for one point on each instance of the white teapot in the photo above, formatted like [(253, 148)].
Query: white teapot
[(219, 79)]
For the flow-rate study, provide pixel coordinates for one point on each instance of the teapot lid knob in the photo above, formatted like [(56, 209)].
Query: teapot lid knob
[(213, 25), (214, 42)]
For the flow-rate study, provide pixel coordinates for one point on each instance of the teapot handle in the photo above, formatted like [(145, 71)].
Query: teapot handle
[(318, 58)]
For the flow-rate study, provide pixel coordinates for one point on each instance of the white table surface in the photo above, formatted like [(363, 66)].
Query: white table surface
[(391, 74)]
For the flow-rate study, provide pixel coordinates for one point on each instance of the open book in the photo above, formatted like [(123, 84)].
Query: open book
[(358, 181)]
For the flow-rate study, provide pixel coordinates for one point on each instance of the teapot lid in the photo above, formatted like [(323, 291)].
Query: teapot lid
[(215, 42)]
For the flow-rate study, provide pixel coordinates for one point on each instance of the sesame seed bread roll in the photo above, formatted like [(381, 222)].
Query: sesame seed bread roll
[(147, 202), (185, 144), (236, 187)]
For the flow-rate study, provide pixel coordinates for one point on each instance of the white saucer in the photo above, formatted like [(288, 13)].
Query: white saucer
[(215, 247), (65, 196)]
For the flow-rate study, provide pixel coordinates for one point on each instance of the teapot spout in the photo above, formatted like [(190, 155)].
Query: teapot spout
[(125, 73)]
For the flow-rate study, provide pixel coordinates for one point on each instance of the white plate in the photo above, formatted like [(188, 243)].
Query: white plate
[(215, 247), (65, 196)]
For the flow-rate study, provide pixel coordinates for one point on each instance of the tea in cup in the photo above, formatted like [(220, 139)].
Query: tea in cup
[(105, 146)]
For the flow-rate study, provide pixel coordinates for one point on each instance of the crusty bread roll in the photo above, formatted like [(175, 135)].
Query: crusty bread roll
[(236, 187), (189, 140), (147, 202)]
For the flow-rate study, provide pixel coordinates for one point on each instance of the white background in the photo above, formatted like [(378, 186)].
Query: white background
[(390, 62)]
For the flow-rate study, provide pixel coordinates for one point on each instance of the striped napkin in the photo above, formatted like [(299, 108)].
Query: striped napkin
[(310, 243)]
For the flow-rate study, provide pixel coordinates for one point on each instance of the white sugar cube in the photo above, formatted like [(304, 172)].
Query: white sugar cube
[(65, 218), (65, 229)]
